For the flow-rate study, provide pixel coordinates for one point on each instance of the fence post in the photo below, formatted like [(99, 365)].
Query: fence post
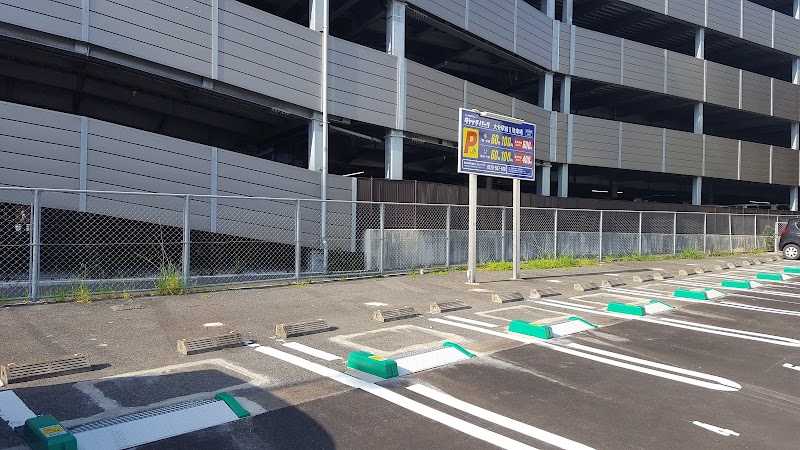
[(503, 234), (756, 245), (36, 241), (640, 232), (186, 242), (675, 233), (705, 231), (730, 231), (447, 236), (555, 233), (353, 226), (382, 238), (601, 236), (297, 236)]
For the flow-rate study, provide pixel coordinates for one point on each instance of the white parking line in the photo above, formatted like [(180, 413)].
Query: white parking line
[(682, 375), (563, 303), (784, 312), (791, 366), (13, 410), (756, 291), (311, 351), (503, 421), (473, 322), (703, 328), (716, 429), (399, 400)]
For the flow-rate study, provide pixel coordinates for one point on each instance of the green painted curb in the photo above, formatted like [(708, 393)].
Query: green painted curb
[(659, 301), (694, 295), (530, 329), (583, 320), (372, 364), (791, 270), (459, 348), (623, 308), (45, 433), (738, 284), (769, 276), (233, 404)]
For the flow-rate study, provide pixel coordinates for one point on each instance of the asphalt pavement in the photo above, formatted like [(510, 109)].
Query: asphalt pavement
[(716, 373)]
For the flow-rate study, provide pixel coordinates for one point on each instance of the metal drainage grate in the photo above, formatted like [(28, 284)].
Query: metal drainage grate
[(207, 344), (141, 415), (288, 330), (15, 373), (507, 298), (388, 315), (442, 307)]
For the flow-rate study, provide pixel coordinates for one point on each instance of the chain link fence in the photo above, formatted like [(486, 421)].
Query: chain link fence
[(59, 244)]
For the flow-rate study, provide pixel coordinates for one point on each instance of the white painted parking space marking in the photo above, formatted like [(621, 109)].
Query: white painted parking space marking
[(154, 428), (559, 303), (793, 367), (570, 327), (311, 351), (498, 419), (554, 281), (669, 372), (705, 285), (784, 312), (473, 322), (647, 294), (695, 326), (716, 429), (429, 360), (13, 410), (397, 399)]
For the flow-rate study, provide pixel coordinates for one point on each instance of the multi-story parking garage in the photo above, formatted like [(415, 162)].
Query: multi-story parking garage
[(660, 100)]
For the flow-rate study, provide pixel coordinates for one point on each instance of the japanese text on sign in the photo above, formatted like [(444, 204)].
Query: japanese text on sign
[(494, 147)]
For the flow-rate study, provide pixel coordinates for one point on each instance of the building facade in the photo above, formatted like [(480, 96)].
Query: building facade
[(680, 101)]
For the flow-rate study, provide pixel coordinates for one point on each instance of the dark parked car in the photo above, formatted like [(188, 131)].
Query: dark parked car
[(790, 240)]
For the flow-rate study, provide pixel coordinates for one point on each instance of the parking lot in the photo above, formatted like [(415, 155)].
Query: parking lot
[(718, 372)]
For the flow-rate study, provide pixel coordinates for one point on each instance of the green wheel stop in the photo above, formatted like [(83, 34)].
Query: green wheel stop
[(770, 276), (531, 329), (45, 433), (233, 404), (694, 295), (791, 270), (373, 364), (623, 308), (738, 284), (459, 348)]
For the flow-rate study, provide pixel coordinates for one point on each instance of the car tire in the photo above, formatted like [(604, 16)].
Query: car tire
[(791, 251)]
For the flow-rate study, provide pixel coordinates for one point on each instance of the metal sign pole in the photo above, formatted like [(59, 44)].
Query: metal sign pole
[(516, 228), (473, 228)]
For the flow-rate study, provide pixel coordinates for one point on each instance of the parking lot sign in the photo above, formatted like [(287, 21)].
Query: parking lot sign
[(496, 146)]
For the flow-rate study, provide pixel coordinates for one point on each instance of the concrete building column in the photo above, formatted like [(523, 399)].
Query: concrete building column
[(396, 46), (796, 9), (793, 198), (563, 180), (549, 8), (546, 91), (315, 142), (565, 94), (566, 12), (697, 190), (316, 18), (543, 179), (700, 43)]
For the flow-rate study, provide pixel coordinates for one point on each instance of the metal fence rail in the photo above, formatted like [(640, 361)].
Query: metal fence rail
[(74, 244)]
